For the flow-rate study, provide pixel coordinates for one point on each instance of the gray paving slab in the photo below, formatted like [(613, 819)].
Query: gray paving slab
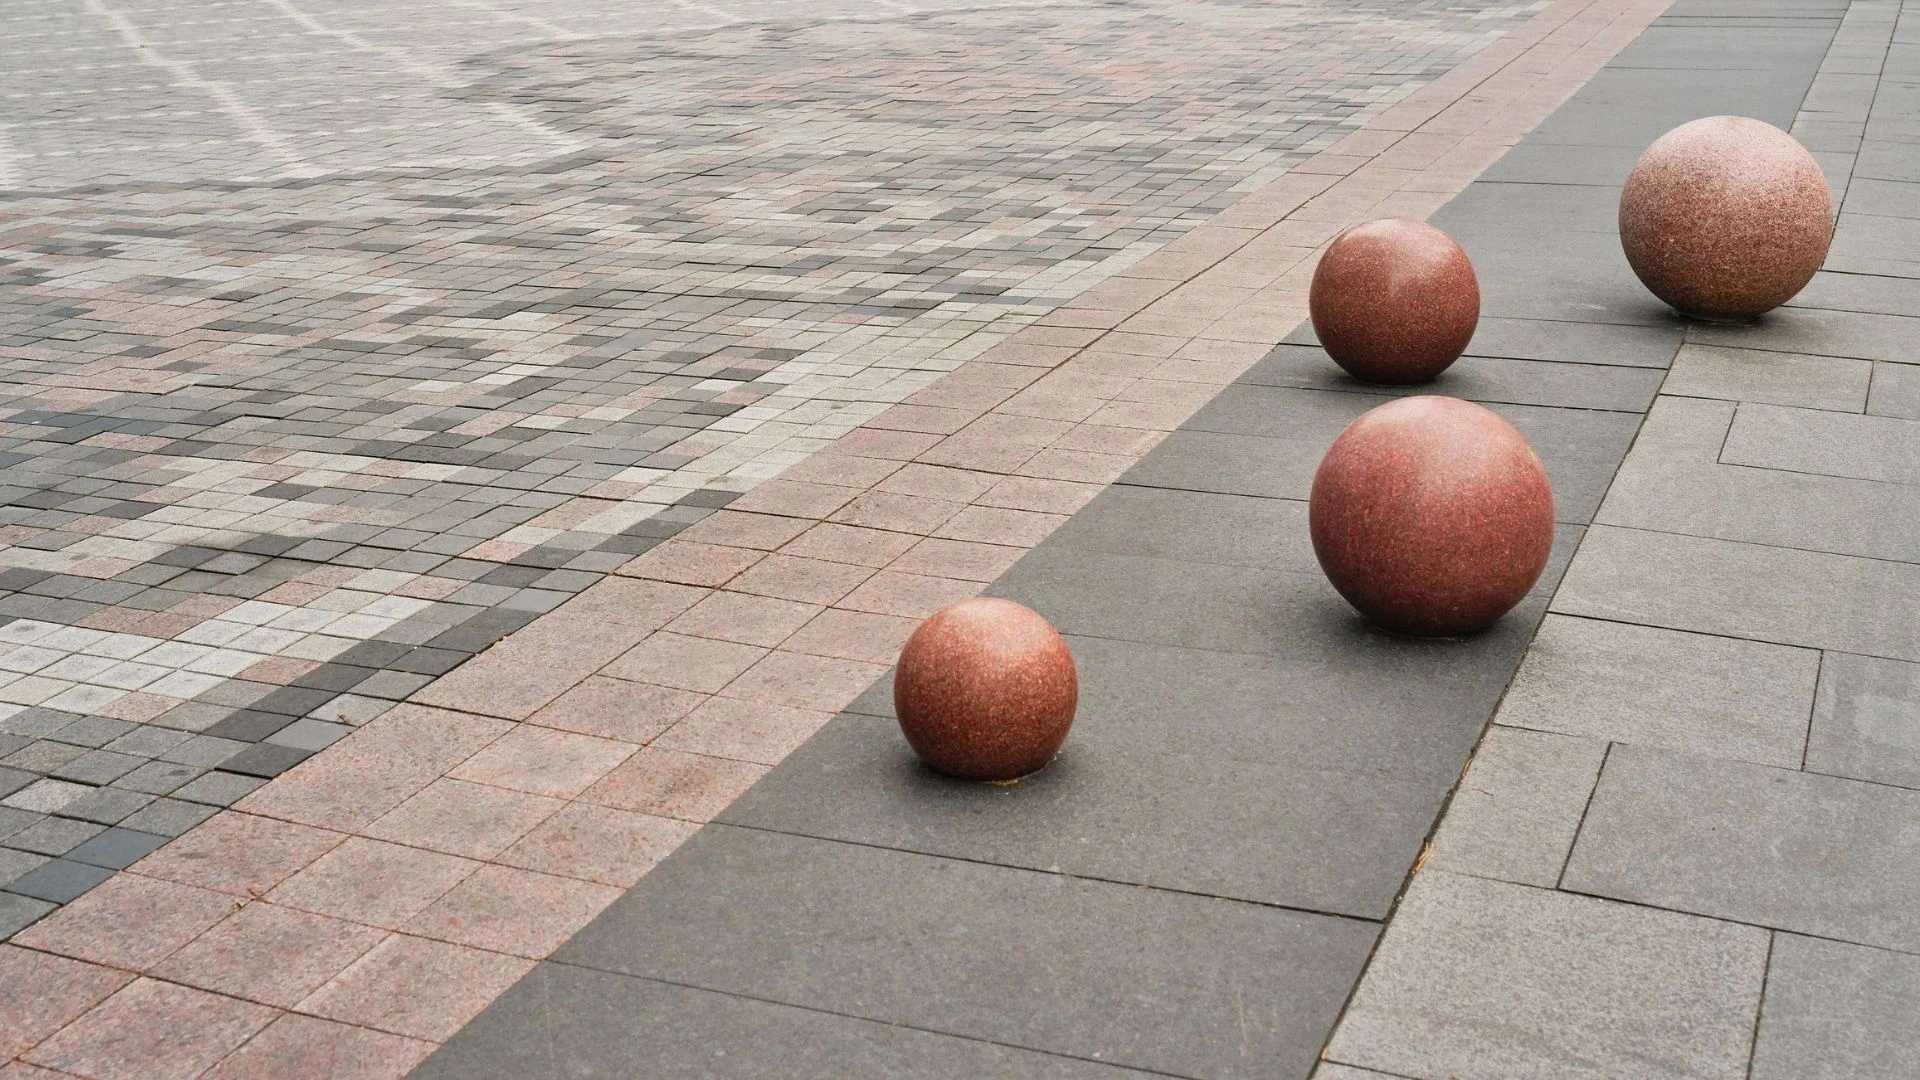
[(1838, 1012), (1187, 984), (1772, 378), (1577, 342), (1806, 598), (1790, 850), (1866, 720), (1546, 163), (1862, 335), (1331, 781), (1515, 812), (1896, 391), (1882, 448), (1632, 106), (1617, 682), (1484, 978), (1672, 481), (603, 1024)]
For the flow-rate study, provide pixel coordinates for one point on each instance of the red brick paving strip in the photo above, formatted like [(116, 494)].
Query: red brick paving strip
[(359, 909)]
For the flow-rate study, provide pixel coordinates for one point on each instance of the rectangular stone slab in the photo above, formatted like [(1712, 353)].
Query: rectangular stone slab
[(1141, 978)]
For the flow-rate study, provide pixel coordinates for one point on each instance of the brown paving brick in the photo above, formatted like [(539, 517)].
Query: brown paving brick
[(963, 559), (842, 470), (269, 954), (792, 497), (884, 445), (513, 911), (1102, 439), (621, 602), (743, 619), (598, 843), (692, 564), (477, 821), (743, 730), (40, 993), (374, 769), (849, 544), (542, 761), (731, 528), (136, 708), (128, 922), (416, 987), (938, 482), (1080, 466), (672, 784), (371, 882), (152, 1031), (999, 525), (532, 667), (927, 418), (982, 452), (852, 635), (809, 581), (239, 854), (298, 1047), (803, 681), (910, 596), (900, 513), (617, 709), (279, 670), (703, 665)]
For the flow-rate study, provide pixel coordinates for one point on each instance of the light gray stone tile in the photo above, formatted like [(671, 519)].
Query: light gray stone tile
[(1838, 1011), (1672, 482), (1791, 850), (1811, 382), (1880, 448), (1866, 720), (1896, 391), (1516, 810), (1485, 978), (1639, 684), (1805, 598), (1332, 1070)]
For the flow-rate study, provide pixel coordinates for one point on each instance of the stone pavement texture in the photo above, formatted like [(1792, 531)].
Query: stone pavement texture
[(355, 911), (343, 341)]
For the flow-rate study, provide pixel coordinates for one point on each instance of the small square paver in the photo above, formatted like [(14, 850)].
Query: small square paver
[(616, 709), (14, 863), (116, 849), (416, 987), (158, 777), (668, 783), (98, 767), (309, 734), (46, 796), (136, 1034), (59, 880), (242, 855), (701, 665), (204, 750), (107, 805), (168, 817), (54, 836), (17, 912), (265, 759), (219, 788), (742, 730)]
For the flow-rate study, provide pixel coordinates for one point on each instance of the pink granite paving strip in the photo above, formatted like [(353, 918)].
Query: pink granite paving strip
[(360, 908)]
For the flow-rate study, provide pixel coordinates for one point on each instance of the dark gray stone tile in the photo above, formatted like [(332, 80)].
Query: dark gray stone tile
[(1838, 1010), (14, 863), (107, 805), (1486, 379), (1485, 978), (1577, 342), (1738, 841), (997, 954), (116, 849), (59, 881), (1866, 720), (54, 836), (169, 817), (1819, 332), (18, 912), (585, 1020)]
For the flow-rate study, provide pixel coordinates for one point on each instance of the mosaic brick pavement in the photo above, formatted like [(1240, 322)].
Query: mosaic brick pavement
[(311, 395)]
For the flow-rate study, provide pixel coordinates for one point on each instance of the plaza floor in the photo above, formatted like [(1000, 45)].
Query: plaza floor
[(457, 457)]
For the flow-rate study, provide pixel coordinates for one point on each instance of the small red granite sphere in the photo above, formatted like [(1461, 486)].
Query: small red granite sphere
[(1726, 217), (1432, 516), (985, 690), (1394, 301)]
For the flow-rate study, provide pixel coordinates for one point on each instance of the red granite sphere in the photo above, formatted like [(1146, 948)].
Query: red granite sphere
[(1432, 516), (985, 690), (1394, 301), (1726, 217)]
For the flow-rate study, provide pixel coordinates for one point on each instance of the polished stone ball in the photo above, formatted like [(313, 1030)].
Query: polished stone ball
[(1725, 218), (1394, 301), (1432, 516), (985, 690)]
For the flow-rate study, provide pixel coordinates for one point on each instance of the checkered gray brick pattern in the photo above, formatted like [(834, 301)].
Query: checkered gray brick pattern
[(339, 340)]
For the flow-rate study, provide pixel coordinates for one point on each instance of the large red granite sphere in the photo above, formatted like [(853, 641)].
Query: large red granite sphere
[(985, 690), (1726, 217), (1394, 301), (1432, 516)]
